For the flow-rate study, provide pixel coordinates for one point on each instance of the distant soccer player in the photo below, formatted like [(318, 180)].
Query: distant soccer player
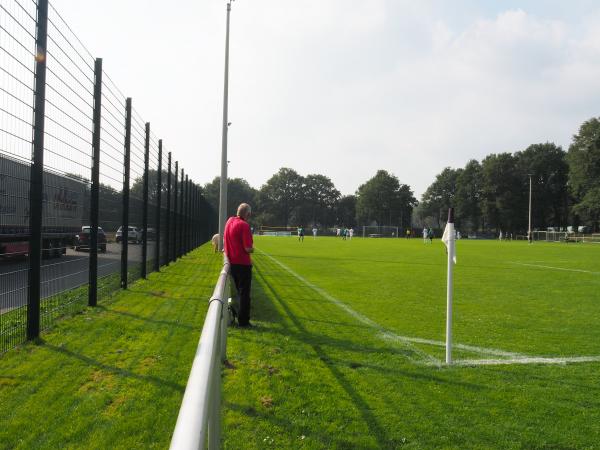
[(351, 233), (408, 233), (430, 235), (425, 234), (338, 231), (300, 234), (314, 230)]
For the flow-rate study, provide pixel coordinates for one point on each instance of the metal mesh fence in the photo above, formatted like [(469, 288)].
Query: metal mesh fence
[(67, 168), (110, 211), (88, 199), (17, 53)]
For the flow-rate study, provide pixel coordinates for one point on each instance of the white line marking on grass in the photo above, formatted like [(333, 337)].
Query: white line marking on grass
[(470, 348), (526, 360), (556, 268), (509, 357), (383, 333)]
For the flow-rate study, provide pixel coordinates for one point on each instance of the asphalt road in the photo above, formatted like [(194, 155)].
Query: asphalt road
[(61, 274)]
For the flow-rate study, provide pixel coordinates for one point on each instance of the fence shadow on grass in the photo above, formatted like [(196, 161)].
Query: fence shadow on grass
[(269, 293), (166, 323), (266, 291), (91, 362)]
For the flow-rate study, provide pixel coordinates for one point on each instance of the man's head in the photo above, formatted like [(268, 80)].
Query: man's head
[(244, 211)]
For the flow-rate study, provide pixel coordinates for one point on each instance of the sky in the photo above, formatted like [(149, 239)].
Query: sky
[(345, 88)]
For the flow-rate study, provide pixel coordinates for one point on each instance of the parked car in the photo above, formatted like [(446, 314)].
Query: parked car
[(82, 239), (133, 235), (151, 234)]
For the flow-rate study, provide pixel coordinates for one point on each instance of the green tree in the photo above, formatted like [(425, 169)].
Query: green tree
[(584, 171), (385, 200), (238, 191), (345, 211), (467, 198), (439, 196), (504, 199), (547, 165), (319, 199), (281, 195)]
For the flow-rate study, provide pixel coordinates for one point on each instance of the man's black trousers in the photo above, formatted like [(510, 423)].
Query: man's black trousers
[(242, 277)]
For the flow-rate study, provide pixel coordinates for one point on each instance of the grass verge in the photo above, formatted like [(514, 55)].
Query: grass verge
[(111, 376)]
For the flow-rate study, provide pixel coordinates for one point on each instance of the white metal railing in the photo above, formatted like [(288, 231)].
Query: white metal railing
[(200, 413)]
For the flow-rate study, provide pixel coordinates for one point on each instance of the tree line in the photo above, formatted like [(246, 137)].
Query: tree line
[(488, 195), (493, 194), (290, 199)]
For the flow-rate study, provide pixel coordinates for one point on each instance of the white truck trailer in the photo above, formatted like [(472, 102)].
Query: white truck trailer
[(64, 202)]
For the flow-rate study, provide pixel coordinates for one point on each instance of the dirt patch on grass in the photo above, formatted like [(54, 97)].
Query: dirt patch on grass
[(266, 401), (113, 407), (98, 379)]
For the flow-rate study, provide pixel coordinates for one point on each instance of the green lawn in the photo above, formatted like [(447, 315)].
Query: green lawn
[(338, 359), (347, 353), (112, 376)]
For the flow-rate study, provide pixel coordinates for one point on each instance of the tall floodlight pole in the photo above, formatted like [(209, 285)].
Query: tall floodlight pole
[(223, 184), (529, 236)]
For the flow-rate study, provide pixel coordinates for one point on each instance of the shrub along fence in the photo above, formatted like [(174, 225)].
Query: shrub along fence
[(89, 199)]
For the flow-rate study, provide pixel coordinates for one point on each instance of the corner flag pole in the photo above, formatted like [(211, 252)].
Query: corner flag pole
[(449, 241)]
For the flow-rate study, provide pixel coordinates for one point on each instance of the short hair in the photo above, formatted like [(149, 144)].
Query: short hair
[(243, 210)]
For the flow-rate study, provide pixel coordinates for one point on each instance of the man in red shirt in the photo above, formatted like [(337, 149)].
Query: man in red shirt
[(238, 244)]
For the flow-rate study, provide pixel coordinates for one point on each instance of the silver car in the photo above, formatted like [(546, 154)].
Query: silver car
[(133, 235)]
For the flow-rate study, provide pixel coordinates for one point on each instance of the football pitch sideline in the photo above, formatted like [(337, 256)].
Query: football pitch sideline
[(349, 349)]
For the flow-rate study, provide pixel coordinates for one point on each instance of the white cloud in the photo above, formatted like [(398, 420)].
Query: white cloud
[(348, 87)]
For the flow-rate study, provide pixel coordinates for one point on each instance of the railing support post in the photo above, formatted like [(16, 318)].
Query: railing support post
[(145, 205), (214, 415), (36, 180), (95, 187), (125, 217)]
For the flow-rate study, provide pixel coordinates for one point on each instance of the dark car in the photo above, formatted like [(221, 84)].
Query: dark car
[(82, 239)]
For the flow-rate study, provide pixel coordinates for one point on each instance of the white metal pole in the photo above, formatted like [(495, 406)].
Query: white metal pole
[(529, 236), (223, 181), (214, 417), (449, 286)]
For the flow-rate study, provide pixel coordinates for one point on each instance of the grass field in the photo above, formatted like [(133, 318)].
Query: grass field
[(110, 377), (349, 347)]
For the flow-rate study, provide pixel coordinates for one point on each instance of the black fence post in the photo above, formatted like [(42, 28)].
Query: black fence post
[(181, 216), (186, 223), (36, 180), (145, 204), (175, 222), (95, 188), (158, 199), (198, 217), (125, 217), (193, 218), (168, 218)]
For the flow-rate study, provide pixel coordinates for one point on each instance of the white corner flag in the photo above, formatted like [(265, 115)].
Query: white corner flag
[(450, 231), (448, 240)]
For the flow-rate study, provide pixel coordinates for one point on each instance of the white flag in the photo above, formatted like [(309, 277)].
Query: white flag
[(446, 239)]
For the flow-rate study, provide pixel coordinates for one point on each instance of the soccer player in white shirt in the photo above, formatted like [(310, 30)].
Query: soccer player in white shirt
[(314, 230)]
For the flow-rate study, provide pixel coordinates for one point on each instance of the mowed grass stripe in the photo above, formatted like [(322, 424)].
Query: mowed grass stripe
[(401, 285), (312, 376), (508, 357)]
